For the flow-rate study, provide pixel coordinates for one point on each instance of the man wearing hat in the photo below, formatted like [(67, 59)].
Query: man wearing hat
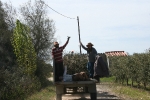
[(58, 60), (91, 52)]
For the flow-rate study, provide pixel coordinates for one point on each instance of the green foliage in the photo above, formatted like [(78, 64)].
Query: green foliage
[(75, 63), (16, 83), (7, 57), (48, 93), (16, 86), (42, 28), (127, 92), (23, 48), (18, 61), (134, 67), (43, 72)]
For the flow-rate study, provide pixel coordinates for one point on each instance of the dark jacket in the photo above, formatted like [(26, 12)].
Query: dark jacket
[(91, 54), (100, 67)]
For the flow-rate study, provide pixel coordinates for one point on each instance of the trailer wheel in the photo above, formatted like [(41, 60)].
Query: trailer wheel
[(93, 96), (58, 96)]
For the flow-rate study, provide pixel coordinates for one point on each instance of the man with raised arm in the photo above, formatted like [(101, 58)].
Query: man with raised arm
[(57, 53), (91, 52)]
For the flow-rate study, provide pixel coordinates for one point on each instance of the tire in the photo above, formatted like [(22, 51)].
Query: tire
[(93, 96)]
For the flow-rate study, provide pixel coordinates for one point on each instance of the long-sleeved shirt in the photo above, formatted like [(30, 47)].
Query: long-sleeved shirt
[(91, 54), (57, 52)]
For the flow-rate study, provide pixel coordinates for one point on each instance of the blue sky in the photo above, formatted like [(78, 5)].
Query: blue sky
[(111, 25)]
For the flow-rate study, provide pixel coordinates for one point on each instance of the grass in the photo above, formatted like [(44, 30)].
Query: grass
[(134, 93), (127, 91), (107, 79), (47, 93)]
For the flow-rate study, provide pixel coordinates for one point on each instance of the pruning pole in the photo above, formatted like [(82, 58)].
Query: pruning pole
[(79, 32)]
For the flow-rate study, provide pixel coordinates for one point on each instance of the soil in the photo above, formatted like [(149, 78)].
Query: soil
[(104, 92)]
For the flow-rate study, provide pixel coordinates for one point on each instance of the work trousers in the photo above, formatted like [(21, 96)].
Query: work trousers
[(59, 70), (90, 67)]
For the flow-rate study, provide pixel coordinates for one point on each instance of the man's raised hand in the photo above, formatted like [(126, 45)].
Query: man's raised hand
[(68, 37)]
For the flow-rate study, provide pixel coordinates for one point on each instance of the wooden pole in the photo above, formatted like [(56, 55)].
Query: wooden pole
[(79, 32)]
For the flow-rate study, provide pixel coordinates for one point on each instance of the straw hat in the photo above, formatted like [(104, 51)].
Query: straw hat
[(56, 43), (89, 44)]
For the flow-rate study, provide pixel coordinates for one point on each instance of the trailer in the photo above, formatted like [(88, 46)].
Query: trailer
[(75, 87)]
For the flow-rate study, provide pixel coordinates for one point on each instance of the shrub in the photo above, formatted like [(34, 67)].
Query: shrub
[(16, 86), (135, 67), (75, 63)]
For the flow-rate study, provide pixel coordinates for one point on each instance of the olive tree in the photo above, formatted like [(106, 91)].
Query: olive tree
[(42, 30), (42, 27)]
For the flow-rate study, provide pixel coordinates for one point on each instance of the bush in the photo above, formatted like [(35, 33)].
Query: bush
[(75, 63), (135, 67), (16, 86), (43, 72)]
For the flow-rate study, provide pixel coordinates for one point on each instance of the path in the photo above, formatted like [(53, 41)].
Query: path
[(103, 93)]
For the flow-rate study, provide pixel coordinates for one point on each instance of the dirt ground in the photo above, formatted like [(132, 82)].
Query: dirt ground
[(104, 92)]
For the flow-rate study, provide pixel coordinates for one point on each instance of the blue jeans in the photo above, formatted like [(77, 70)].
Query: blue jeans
[(90, 67)]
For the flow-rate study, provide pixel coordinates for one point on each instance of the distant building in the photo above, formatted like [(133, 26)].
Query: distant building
[(114, 53)]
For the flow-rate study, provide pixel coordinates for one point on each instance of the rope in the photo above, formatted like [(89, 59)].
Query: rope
[(58, 12)]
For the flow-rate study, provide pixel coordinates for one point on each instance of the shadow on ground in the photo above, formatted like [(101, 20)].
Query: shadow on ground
[(101, 95)]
